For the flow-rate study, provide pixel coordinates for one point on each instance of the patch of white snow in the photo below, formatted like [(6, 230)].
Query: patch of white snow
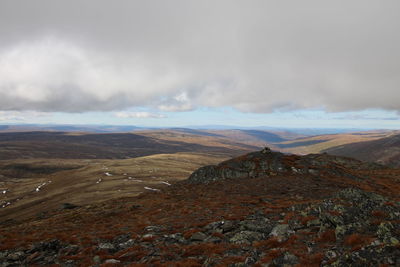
[(151, 189)]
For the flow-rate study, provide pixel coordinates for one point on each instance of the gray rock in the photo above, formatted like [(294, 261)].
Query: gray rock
[(315, 222), (281, 231), (175, 238), (266, 150), (214, 226), (340, 231), (3, 255), (330, 254), (214, 239), (262, 226), (112, 261), (16, 255), (96, 259), (153, 228), (53, 245), (246, 237), (291, 259), (250, 261), (121, 238), (127, 244), (227, 226), (199, 236), (147, 236), (69, 250), (108, 246), (69, 263)]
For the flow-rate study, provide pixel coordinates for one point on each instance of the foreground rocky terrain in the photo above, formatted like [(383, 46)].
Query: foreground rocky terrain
[(260, 209)]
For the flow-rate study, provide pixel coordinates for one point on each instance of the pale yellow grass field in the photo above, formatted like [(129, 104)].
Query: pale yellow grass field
[(90, 183)]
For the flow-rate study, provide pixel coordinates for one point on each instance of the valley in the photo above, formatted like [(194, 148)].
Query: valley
[(41, 171)]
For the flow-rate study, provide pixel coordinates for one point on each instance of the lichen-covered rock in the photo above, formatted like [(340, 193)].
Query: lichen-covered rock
[(246, 237), (198, 236), (267, 163), (281, 231), (261, 225)]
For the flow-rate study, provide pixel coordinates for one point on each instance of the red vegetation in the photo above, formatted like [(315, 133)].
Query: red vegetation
[(189, 233), (379, 213), (307, 219), (356, 240), (311, 260), (327, 236), (334, 212), (389, 203), (185, 208), (288, 217), (230, 260), (203, 249), (272, 242)]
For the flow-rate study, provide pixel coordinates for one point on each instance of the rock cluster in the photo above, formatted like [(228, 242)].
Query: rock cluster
[(351, 228), (267, 163)]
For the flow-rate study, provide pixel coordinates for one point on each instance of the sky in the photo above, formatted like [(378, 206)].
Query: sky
[(283, 63)]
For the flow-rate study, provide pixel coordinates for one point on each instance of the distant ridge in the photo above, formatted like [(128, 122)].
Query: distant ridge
[(384, 151)]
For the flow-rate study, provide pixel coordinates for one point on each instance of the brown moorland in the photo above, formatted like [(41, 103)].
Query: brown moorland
[(291, 210)]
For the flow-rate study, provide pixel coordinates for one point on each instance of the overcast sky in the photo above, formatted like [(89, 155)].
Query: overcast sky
[(156, 60)]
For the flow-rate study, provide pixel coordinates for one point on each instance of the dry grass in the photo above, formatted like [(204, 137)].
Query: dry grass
[(332, 140), (83, 186)]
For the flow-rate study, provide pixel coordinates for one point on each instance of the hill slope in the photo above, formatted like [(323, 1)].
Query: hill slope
[(319, 143), (384, 151), (263, 208), (103, 146)]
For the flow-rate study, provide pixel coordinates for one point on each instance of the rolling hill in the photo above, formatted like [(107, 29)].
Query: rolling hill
[(42, 170), (384, 150), (320, 143), (105, 146)]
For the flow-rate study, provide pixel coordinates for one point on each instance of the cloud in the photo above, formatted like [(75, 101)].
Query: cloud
[(181, 55), (366, 117), (180, 102), (140, 115), (54, 75), (21, 115)]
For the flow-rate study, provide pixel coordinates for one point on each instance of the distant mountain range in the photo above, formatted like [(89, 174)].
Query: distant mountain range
[(109, 141), (68, 128), (129, 128)]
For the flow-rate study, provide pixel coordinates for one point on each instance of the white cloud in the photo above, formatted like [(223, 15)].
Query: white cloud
[(21, 115), (180, 55), (141, 115), (55, 75), (180, 102)]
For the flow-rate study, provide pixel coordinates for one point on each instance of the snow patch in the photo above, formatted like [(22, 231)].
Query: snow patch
[(134, 180), (108, 174), (165, 183), (151, 189), (40, 187), (6, 204)]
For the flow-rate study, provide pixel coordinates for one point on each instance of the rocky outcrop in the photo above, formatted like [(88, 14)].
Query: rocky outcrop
[(351, 228), (268, 163)]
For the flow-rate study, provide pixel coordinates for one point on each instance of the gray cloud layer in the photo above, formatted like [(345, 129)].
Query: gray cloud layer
[(255, 56)]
